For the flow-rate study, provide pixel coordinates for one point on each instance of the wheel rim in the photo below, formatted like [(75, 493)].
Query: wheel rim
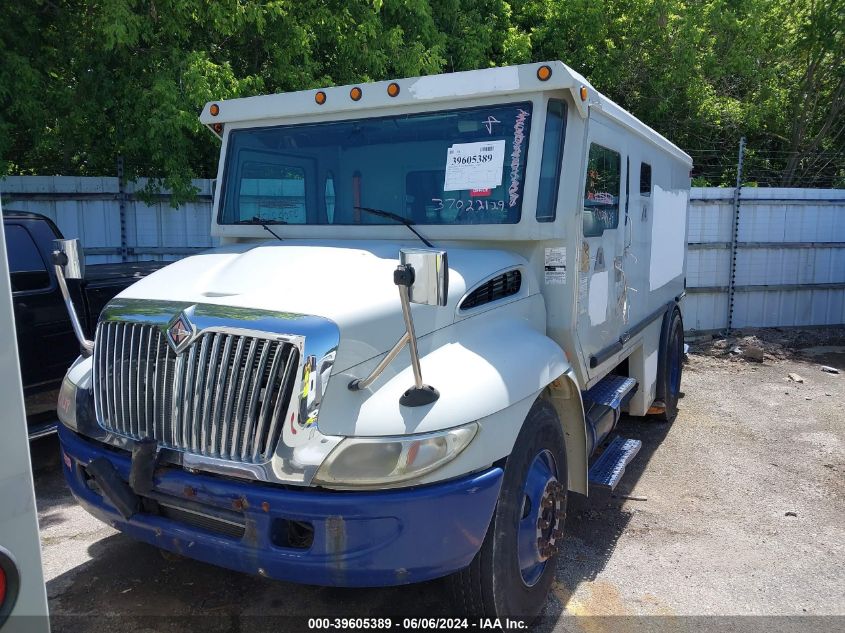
[(540, 524), (675, 365)]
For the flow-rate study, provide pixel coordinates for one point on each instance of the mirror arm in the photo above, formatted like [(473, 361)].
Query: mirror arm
[(86, 347), (358, 384), (420, 394), (412, 337)]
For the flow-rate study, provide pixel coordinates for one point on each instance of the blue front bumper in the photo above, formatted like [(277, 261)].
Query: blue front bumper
[(360, 539)]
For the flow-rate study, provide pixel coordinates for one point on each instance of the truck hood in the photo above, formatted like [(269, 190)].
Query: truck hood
[(350, 283)]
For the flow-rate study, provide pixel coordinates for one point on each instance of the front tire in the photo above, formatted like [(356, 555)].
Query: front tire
[(511, 575)]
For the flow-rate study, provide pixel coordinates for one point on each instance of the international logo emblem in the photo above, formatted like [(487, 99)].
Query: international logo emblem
[(179, 333)]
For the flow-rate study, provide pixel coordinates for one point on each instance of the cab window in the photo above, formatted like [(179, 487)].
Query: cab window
[(601, 190), (26, 268)]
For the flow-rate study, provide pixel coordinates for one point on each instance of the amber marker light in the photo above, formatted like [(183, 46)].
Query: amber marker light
[(393, 89), (584, 93), (214, 109), (218, 128), (355, 94), (320, 97), (544, 73)]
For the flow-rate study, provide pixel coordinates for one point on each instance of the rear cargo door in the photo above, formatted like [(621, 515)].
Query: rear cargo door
[(600, 303)]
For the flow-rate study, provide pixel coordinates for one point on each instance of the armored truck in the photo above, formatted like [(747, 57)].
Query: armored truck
[(432, 300)]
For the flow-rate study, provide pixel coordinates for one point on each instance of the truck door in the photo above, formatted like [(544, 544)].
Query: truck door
[(601, 274)]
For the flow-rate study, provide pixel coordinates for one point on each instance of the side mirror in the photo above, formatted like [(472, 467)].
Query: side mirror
[(430, 284), (67, 255)]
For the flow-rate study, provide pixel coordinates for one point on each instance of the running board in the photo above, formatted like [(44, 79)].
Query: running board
[(608, 469), (603, 404), (612, 391)]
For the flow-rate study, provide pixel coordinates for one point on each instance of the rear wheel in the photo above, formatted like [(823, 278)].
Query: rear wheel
[(671, 366), (512, 573)]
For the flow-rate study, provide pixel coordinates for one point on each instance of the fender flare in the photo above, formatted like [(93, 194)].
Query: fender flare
[(565, 396)]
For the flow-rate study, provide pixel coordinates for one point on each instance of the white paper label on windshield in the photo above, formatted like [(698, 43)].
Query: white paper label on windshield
[(474, 166)]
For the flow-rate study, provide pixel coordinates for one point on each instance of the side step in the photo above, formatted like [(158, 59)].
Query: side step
[(608, 469), (612, 391)]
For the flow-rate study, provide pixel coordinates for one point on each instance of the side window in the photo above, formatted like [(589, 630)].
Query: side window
[(601, 191), (645, 179), (552, 159), (26, 268)]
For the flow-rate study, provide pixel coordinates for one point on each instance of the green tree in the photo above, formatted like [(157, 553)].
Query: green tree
[(83, 81)]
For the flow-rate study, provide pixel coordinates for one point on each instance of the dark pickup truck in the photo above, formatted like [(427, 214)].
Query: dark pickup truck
[(46, 343)]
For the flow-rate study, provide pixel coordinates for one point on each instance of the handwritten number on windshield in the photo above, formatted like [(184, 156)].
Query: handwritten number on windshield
[(476, 205)]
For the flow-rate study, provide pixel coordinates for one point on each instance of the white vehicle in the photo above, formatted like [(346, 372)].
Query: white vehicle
[(469, 277), (23, 596)]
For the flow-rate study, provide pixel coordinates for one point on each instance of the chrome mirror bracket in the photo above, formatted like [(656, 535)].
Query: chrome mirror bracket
[(436, 288), (420, 394), (66, 258)]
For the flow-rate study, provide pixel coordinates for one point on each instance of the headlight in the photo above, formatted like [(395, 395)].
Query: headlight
[(373, 461)]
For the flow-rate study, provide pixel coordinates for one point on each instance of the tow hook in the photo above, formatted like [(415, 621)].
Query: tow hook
[(113, 487)]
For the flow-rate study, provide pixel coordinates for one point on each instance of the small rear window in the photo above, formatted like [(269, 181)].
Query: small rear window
[(645, 179)]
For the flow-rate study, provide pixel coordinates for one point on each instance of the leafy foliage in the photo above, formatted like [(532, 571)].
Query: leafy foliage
[(84, 81)]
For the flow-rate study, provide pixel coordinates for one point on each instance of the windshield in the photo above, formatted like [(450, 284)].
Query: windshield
[(453, 167)]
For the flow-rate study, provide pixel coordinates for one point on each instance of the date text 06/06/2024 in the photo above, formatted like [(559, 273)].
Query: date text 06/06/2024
[(417, 623)]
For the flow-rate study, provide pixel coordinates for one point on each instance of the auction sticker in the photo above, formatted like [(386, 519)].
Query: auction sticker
[(555, 265), (474, 166)]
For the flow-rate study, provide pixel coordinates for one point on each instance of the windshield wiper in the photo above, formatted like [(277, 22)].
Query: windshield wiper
[(263, 224), (397, 218)]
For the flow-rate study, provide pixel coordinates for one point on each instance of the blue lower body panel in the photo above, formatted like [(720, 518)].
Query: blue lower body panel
[(360, 539)]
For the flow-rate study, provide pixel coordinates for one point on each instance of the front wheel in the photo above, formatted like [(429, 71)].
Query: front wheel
[(511, 575)]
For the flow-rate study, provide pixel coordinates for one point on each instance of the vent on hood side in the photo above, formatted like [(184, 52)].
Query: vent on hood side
[(504, 285)]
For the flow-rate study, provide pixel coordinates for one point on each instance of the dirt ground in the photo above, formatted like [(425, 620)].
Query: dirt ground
[(735, 509)]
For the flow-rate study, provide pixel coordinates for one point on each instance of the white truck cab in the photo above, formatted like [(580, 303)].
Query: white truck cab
[(432, 301)]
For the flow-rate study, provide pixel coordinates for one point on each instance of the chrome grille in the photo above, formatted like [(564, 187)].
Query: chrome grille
[(225, 396)]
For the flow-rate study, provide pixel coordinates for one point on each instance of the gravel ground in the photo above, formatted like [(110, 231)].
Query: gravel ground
[(737, 510)]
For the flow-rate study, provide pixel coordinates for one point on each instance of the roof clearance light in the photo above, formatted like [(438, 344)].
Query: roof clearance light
[(584, 93), (355, 94), (214, 109), (544, 73), (218, 128), (393, 89), (320, 97)]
